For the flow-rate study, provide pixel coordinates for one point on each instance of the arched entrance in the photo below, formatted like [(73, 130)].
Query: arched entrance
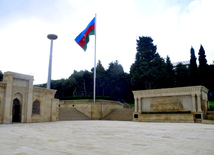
[(16, 111)]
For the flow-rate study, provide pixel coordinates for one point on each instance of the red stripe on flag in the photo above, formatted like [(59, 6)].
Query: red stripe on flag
[(87, 32), (89, 29), (82, 41)]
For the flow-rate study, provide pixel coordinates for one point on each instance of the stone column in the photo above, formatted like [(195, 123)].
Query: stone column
[(55, 104), (135, 104), (205, 105), (208, 105), (140, 107), (193, 103), (7, 117), (199, 102), (29, 100)]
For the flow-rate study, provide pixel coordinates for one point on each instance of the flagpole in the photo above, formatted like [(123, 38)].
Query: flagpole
[(95, 59)]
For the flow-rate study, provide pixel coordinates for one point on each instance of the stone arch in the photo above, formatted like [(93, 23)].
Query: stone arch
[(19, 95), (17, 111), (36, 107), (17, 107)]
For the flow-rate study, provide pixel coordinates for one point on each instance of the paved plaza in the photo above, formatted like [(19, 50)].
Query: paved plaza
[(106, 137)]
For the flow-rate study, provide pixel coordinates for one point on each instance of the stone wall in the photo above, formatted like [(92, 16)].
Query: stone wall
[(2, 93), (95, 111), (177, 100), (48, 105), (178, 118)]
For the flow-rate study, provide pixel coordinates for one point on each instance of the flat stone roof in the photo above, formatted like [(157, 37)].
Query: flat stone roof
[(106, 137)]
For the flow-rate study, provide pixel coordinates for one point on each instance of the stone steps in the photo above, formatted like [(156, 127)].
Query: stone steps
[(125, 114), (66, 114)]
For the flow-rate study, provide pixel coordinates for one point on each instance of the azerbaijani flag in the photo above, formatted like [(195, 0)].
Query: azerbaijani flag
[(83, 38)]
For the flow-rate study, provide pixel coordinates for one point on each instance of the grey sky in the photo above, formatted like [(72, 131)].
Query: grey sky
[(174, 25)]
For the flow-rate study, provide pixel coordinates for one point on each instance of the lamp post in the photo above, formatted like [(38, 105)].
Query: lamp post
[(51, 37)]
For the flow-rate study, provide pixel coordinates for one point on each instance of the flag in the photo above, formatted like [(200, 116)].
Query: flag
[(83, 38)]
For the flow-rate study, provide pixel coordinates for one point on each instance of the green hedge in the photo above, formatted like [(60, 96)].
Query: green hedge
[(211, 104), (87, 97)]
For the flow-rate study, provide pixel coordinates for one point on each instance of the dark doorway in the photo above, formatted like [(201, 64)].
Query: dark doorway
[(16, 111)]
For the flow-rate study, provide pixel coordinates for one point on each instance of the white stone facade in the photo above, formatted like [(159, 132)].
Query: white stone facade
[(21, 102)]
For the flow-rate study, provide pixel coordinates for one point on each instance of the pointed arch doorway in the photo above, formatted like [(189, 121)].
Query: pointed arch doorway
[(16, 111)]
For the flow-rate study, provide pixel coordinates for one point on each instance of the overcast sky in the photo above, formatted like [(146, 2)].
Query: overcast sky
[(174, 25)]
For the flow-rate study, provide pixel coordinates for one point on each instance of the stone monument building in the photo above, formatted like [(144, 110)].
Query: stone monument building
[(182, 104), (21, 102)]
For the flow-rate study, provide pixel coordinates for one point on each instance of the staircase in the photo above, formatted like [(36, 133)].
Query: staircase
[(125, 114), (68, 114), (126, 105)]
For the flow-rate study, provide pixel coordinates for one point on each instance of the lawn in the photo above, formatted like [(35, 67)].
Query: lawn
[(211, 104), (90, 103)]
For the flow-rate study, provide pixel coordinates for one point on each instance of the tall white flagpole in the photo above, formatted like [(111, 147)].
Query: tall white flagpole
[(95, 59)]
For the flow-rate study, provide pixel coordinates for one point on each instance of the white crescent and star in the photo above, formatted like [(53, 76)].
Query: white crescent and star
[(84, 39)]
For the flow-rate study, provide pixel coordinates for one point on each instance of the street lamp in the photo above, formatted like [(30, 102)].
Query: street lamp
[(51, 37)]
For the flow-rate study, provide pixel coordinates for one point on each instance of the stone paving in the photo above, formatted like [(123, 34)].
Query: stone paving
[(106, 137)]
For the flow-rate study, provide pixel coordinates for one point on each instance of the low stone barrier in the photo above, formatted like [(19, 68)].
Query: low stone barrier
[(204, 121), (175, 118)]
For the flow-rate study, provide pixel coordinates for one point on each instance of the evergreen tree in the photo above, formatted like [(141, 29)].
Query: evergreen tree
[(1, 76), (101, 79), (169, 79), (193, 70), (114, 83), (203, 67), (148, 68), (202, 58), (181, 77)]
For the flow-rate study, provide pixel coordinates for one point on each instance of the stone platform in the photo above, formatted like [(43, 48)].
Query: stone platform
[(106, 137)]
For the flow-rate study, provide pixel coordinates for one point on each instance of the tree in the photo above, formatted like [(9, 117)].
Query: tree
[(69, 86), (181, 77), (83, 82), (148, 68), (113, 82), (1, 76), (203, 67), (202, 57), (169, 79), (100, 79), (64, 87), (193, 70), (57, 85), (115, 69), (211, 83), (114, 74)]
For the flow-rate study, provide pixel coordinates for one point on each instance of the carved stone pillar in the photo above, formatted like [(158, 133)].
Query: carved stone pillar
[(208, 105), (135, 104), (29, 100), (193, 103), (140, 107), (7, 116), (199, 102)]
